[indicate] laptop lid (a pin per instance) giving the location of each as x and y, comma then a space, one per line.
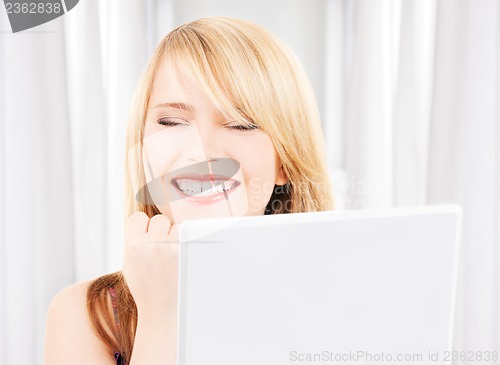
335, 286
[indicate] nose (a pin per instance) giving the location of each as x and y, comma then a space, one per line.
203, 144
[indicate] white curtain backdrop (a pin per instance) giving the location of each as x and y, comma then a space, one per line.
37, 210
417, 121
65, 93
409, 92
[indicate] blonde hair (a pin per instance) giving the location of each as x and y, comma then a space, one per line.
248, 72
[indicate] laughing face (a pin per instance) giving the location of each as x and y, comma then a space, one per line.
198, 162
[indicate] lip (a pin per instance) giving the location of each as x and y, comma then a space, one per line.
206, 177
203, 178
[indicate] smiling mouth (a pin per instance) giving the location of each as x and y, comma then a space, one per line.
204, 186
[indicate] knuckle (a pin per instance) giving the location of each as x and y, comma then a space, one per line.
137, 216
160, 219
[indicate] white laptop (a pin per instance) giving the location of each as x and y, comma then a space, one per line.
370, 286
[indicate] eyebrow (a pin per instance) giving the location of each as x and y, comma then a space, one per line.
176, 105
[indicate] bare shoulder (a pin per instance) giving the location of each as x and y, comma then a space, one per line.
69, 337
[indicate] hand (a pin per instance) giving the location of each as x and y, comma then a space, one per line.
150, 264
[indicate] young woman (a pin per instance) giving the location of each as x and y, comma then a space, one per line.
224, 123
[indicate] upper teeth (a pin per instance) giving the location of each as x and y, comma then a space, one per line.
204, 188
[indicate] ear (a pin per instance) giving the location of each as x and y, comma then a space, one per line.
281, 179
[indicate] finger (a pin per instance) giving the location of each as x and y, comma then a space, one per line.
137, 225
174, 233
158, 228
173, 237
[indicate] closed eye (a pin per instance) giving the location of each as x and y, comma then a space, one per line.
244, 127
170, 122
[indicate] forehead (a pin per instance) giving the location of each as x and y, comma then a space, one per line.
172, 84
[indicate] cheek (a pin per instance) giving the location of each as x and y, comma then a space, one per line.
258, 162
160, 150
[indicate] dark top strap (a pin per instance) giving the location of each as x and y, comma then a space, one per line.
114, 302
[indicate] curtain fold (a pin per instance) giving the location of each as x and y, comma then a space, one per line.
36, 166
89, 134
3, 212
463, 156
104, 62
425, 130
127, 57
3, 246
413, 101
65, 96
368, 111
